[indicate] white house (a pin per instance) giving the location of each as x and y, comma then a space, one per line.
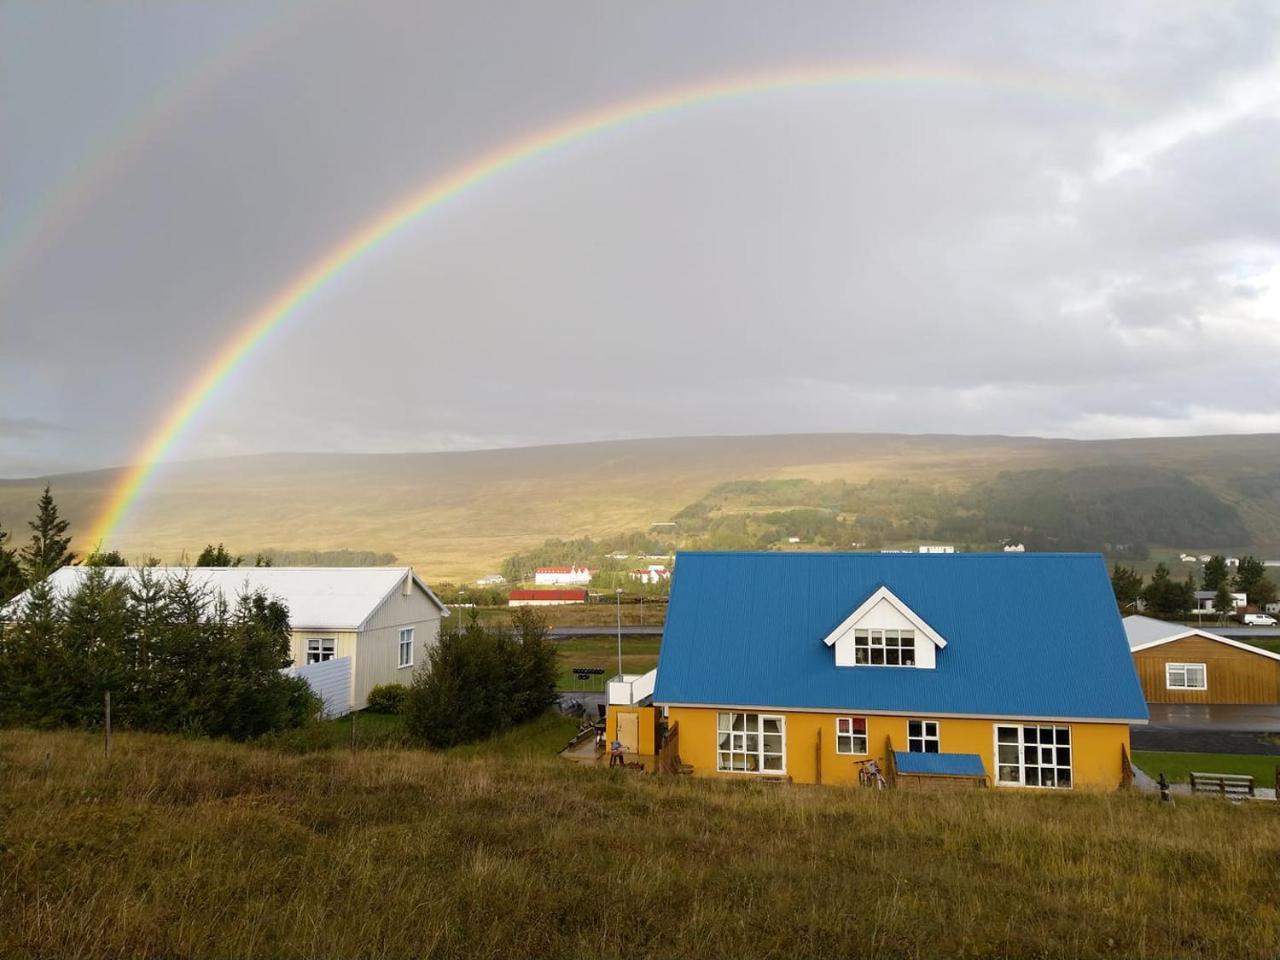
383, 618
1204, 601
937, 548
562, 576
491, 580
654, 573
1015, 548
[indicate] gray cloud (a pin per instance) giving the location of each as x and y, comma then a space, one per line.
1086, 248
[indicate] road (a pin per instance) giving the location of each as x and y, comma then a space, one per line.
568, 633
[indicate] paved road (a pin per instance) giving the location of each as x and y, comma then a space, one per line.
1213, 728
567, 633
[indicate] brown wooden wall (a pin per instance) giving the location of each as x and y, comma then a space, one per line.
1233, 675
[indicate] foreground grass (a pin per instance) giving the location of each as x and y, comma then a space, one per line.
543, 737
182, 848
1176, 766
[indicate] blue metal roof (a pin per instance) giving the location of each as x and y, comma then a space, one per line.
940, 764
1028, 635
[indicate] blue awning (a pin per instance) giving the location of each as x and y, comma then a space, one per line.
940, 764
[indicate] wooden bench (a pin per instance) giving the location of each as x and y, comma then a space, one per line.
1223, 784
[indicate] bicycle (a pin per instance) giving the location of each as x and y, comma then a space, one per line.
869, 775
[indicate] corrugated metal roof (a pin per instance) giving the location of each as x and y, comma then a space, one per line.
1028, 635
332, 598
939, 764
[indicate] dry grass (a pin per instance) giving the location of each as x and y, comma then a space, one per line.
181, 848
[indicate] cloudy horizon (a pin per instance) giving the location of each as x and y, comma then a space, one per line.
1086, 246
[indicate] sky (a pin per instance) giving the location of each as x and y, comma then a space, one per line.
1087, 245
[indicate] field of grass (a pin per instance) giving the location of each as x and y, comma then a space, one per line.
184, 848
603, 615
1176, 766
544, 737
639, 655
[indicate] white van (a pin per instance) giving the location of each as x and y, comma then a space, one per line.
1258, 620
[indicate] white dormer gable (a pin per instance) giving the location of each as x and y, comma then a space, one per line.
882, 621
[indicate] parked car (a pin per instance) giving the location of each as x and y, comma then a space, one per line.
1258, 620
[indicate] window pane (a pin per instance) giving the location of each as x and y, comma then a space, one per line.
1007, 734
844, 744
859, 744
772, 725
772, 743
842, 724
913, 728
772, 763
1008, 774
877, 656
859, 725
1063, 734
1064, 778
1029, 734
891, 658
1064, 756
931, 728
931, 746
860, 655
1033, 776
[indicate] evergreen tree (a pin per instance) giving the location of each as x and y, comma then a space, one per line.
48, 548
218, 556
11, 580
1215, 572
1248, 577
1166, 598
536, 673
1126, 583
110, 558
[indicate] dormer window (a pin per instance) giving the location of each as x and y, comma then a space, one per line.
888, 648
884, 632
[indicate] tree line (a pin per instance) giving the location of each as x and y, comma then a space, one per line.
175, 657
1171, 599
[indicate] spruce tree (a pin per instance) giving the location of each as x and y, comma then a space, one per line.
48, 547
11, 582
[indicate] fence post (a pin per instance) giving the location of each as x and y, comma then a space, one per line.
818, 757
106, 709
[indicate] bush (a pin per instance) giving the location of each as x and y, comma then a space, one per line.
387, 698
478, 681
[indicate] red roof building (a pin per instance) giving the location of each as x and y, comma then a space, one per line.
545, 598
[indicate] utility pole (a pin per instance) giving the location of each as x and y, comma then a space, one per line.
618, 593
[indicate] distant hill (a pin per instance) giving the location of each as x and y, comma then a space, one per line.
458, 515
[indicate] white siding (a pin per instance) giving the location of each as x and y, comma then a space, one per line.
377, 647
330, 681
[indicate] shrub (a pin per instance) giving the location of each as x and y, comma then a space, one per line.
387, 698
477, 681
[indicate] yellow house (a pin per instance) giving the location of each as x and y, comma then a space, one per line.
1010, 669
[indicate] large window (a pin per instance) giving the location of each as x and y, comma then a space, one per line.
1185, 676
885, 648
750, 743
406, 647
922, 736
851, 734
320, 649
1033, 755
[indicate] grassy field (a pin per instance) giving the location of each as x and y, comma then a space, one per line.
184, 848
639, 655
603, 615
455, 516
1176, 766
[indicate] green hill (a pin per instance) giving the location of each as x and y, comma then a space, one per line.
458, 515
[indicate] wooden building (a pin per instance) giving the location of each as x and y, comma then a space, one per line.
1181, 664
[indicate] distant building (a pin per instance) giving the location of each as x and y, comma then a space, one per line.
793, 539
545, 598
1204, 601
1187, 558
1233, 561
1015, 548
556, 576
654, 573
1205, 558
492, 580
937, 548
1178, 664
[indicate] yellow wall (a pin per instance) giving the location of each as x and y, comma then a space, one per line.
1095, 747
648, 725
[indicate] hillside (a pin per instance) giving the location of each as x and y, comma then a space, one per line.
186, 848
458, 515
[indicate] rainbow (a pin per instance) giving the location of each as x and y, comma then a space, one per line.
307, 285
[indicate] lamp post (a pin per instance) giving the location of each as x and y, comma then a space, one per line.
617, 592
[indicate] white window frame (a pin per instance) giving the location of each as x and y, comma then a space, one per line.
739, 743
925, 738
406, 642
851, 736
1184, 669
886, 642
320, 650
1042, 763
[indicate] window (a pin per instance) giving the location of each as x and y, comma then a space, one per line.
1033, 755
851, 734
320, 649
750, 743
406, 647
1185, 676
922, 736
885, 648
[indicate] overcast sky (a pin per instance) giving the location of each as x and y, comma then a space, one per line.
1090, 251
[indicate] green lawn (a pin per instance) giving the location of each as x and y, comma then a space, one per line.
1176, 766
639, 655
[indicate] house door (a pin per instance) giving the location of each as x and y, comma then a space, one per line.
629, 731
